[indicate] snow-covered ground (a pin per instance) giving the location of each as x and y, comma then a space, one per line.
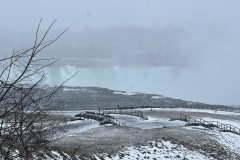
235, 123
189, 110
229, 141
74, 112
157, 97
73, 127
137, 122
71, 113
156, 150
81, 126
160, 122
83, 90
125, 93
164, 149
69, 89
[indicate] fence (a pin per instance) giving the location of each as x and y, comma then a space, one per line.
211, 124
100, 118
125, 111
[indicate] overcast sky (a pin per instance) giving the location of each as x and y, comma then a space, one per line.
201, 38
78, 14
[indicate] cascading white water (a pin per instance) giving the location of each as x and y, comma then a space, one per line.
194, 84
141, 79
185, 83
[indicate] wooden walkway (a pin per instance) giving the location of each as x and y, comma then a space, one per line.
211, 124
126, 112
101, 118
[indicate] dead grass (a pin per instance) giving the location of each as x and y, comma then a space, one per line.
176, 114
112, 139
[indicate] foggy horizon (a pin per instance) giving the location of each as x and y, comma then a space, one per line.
181, 49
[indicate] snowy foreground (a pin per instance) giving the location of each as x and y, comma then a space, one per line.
161, 149
153, 150
156, 150
182, 142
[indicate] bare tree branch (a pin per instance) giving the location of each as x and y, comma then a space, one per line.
24, 104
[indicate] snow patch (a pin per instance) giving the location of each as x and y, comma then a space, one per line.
83, 90
125, 93
190, 103
157, 97
69, 89
189, 110
137, 122
235, 123
81, 126
155, 150
230, 141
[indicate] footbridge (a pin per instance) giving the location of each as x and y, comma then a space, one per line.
131, 112
102, 118
211, 124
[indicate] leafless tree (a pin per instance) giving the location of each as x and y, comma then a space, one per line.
24, 103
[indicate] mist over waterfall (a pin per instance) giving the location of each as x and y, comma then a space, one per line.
184, 50
130, 79
173, 82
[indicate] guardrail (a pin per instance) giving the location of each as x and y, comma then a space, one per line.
126, 112
101, 118
211, 124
